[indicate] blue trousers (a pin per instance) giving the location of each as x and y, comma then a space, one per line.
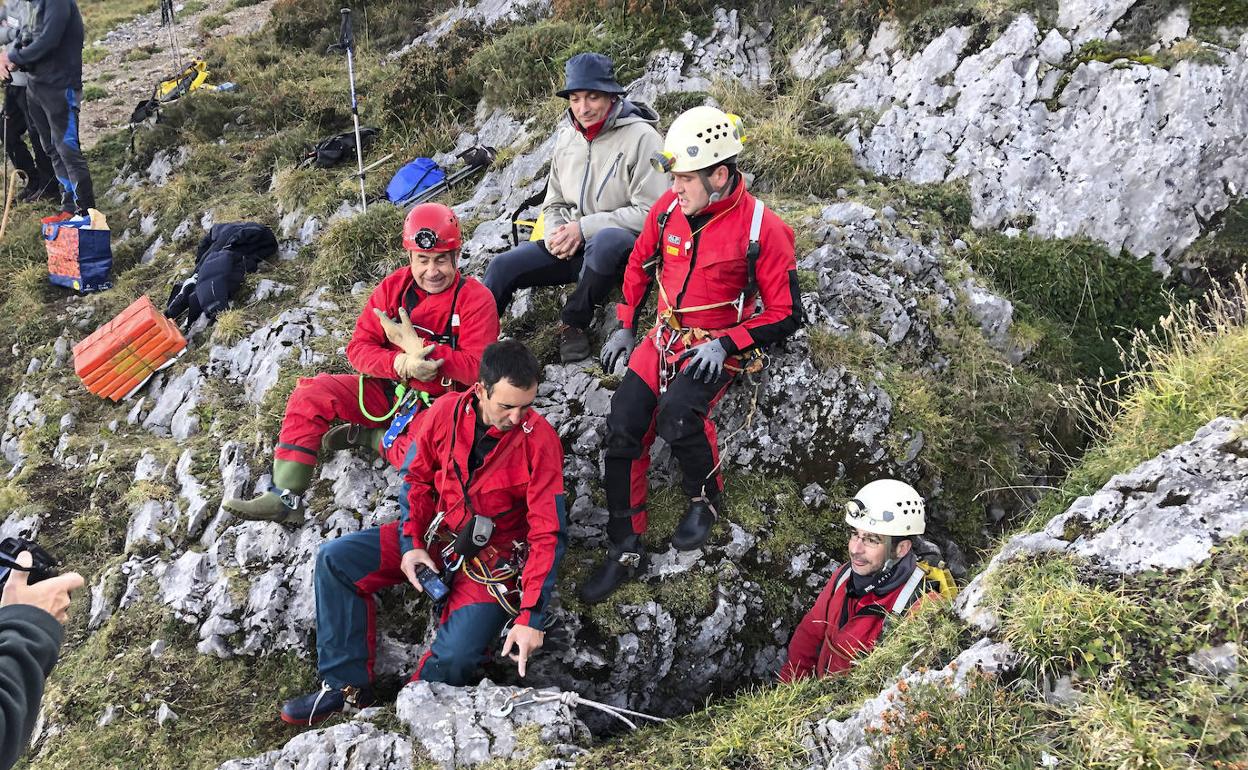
349, 570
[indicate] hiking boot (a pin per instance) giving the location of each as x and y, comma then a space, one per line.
283, 502
623, 562
352, 436
695, 527
573, 344
318, 706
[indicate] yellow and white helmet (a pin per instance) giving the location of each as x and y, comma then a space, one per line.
700, 138
887, 507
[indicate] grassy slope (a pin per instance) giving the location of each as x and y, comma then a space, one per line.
242, 148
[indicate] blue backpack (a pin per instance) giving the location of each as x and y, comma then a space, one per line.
413, 179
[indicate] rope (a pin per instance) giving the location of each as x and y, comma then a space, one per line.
749, 419
399, 390
572, 700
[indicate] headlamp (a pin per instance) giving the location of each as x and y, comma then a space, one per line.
425, 238
663, 162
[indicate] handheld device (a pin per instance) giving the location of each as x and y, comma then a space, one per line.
432, 584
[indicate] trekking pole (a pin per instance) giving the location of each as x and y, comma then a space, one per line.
346, 42
167, 15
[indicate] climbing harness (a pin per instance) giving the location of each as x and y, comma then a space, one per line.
409, 401
466, 548
670, 333
529, 696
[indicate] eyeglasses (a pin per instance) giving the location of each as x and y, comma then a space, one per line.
868, 538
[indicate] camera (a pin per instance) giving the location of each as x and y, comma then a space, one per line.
432, 584
43, 564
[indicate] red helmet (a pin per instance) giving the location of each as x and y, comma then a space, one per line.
431, 227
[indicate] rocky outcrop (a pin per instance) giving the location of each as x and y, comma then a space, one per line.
451, 726
1130, 154
1166, 513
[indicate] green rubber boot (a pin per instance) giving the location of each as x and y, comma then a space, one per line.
283, 502
351, 436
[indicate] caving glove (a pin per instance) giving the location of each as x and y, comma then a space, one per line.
618, 348
401, 332
706, 361
414, 366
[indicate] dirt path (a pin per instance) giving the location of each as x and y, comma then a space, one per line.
140, 53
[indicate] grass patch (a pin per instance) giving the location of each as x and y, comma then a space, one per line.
211, 22
1191, 371
91, 92
1093, 300
203, 691
101, 16
363, 248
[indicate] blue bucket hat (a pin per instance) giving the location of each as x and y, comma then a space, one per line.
589, 72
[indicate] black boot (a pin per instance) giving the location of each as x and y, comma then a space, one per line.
695, 527
623, 562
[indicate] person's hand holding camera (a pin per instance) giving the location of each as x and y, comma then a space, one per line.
51, 595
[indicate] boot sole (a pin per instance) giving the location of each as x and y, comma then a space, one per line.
304, 722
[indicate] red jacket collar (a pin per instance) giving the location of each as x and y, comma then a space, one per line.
590, 132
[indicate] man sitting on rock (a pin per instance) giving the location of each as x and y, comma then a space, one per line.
881, 581
599, 191
713, 251
484, 513
444, 322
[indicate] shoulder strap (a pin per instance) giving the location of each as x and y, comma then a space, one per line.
752, 251
906, 595
532, 200
655, 265
452, 323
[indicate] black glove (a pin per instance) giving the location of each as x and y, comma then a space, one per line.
618, 348
706, 361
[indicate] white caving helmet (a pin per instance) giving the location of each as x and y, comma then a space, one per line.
887, 507
700, 138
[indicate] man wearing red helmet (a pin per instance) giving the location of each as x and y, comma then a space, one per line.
421, 334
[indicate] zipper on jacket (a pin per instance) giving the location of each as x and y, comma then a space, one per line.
607, 178
589, 153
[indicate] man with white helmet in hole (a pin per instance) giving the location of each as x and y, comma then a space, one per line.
881, 579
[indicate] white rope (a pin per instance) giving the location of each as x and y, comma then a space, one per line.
572, 700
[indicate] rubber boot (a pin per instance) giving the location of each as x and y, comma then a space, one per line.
695, 527
352, 436
573, 344
623, 562
283, 502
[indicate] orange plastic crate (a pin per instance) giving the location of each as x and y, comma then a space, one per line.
117, 358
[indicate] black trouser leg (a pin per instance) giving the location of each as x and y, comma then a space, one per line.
43, 164
606, 253
684, 424
529, 264
55, 113
14, 127
630, 432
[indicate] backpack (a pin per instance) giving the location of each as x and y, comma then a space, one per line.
333, 150
412, 179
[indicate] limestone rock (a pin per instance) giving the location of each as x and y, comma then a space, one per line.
1165, 514
1132, 155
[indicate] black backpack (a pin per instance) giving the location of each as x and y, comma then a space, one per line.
335, 149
